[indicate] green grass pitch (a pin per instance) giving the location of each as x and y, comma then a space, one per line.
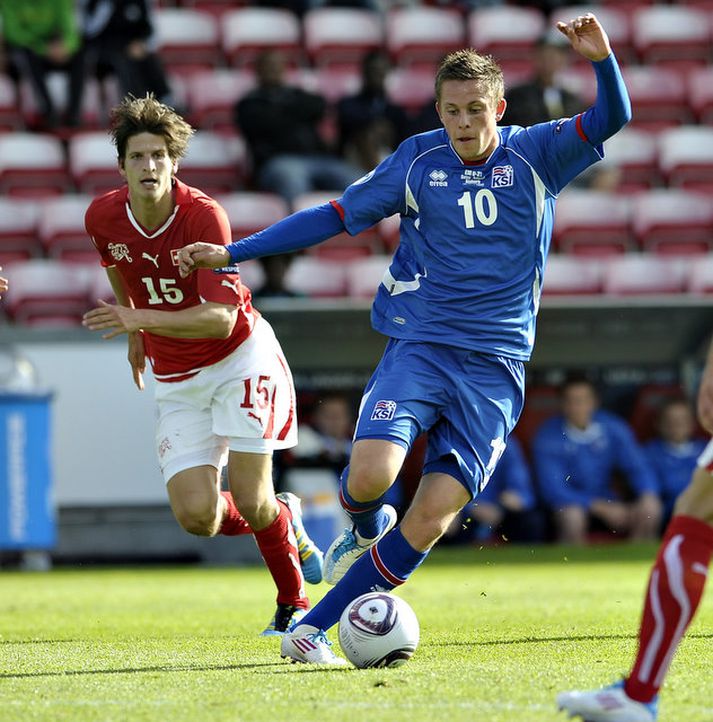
502, 630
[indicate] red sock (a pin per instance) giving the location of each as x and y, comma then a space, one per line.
278, 547
233, 523
675, 588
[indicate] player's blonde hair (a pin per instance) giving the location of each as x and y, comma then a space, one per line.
148, 115
468, 64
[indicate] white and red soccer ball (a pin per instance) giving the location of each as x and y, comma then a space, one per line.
378, 629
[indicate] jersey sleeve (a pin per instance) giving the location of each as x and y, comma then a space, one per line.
379, 194
99, 242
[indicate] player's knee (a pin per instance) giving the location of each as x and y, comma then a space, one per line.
367, 482
422, 528
198, 519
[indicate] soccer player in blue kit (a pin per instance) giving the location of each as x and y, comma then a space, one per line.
458, 304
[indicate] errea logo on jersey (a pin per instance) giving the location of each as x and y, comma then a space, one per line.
438, 178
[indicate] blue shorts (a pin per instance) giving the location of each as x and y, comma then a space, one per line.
467, 401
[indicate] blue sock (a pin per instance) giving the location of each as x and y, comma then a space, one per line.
385, 566
368, 516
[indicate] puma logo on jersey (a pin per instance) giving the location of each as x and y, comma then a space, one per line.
153, 259
256, 417
119, 251
231, 284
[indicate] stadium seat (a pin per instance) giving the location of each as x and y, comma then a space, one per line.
47, 292
61, 228
246, 32
700, 93
250, 212
389, 230
541, 402
212, 95
672, 35
341, 36
342, 247
643, 274
317, 277
634, 152
10, 118
99, 287
592, 223
18, 229
658, 97
214, 163
187, 39
93, 162
421, 35
410, 87
32, 164
333, 83
686, 157
571, 275
649, 400
365, 274
673, 221
700, 279
506, 32
251, 274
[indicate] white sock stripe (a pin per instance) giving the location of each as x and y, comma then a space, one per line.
655, 641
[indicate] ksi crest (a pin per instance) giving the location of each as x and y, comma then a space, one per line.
502, 176
383, 411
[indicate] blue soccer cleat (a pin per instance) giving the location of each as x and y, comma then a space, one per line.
309, 645
310, 554
347, 548
285, 618
609, 704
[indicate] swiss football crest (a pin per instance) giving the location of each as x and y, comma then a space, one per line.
174, 257
383, 411
119, 251
502, 176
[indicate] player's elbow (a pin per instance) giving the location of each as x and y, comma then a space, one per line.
223, 323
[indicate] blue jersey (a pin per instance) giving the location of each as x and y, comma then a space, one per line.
673, 465
474, 237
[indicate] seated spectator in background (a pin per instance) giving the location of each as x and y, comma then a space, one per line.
280, 123
543, 97
42, 36
275, 269
370, 125
508, 504
673, 454
117, 35
576, 455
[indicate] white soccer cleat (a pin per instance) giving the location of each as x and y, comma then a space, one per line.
609, 704
346, 549
309, 645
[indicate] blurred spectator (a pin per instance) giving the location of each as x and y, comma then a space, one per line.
576, 455
508, 504
275, 269
370, 126
542, 97
673, 453
117, 36
42, 36
281, 126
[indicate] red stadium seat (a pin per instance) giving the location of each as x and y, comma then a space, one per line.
507, 33
541, 403
389, 230
214, 163
251, 274
423, 35
61, 228
672, 35
365, 274
571, 275
642, 274
673, 222
93, 162
250, 212
246, 32
592, 223
700, 93
99, 286
187, 39
317, 277
333, 83
410, 87
649, 400
341, 36
658, 97
700, 279
47, 292
342, 247
18, 229
212, 95
32, 164
686, 157
635, 154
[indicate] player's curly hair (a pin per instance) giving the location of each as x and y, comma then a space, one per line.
148, 115
468, 64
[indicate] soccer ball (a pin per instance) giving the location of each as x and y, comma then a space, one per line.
378, 630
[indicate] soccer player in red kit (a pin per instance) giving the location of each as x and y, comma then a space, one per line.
224, 390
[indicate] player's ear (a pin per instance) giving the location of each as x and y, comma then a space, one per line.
120, 164
500, 109
174, 167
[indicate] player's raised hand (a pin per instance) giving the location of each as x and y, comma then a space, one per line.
201, 255
118, 319
587, 37
3, 283
137, 358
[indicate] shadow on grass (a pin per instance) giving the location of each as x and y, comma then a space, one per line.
540, 640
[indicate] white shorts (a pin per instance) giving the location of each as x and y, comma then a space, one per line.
705, 460
246, 402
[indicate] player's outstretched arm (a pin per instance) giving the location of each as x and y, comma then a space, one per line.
586, 35
3, 283
705, 395
202, 255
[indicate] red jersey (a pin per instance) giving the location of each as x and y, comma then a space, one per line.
147, 264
